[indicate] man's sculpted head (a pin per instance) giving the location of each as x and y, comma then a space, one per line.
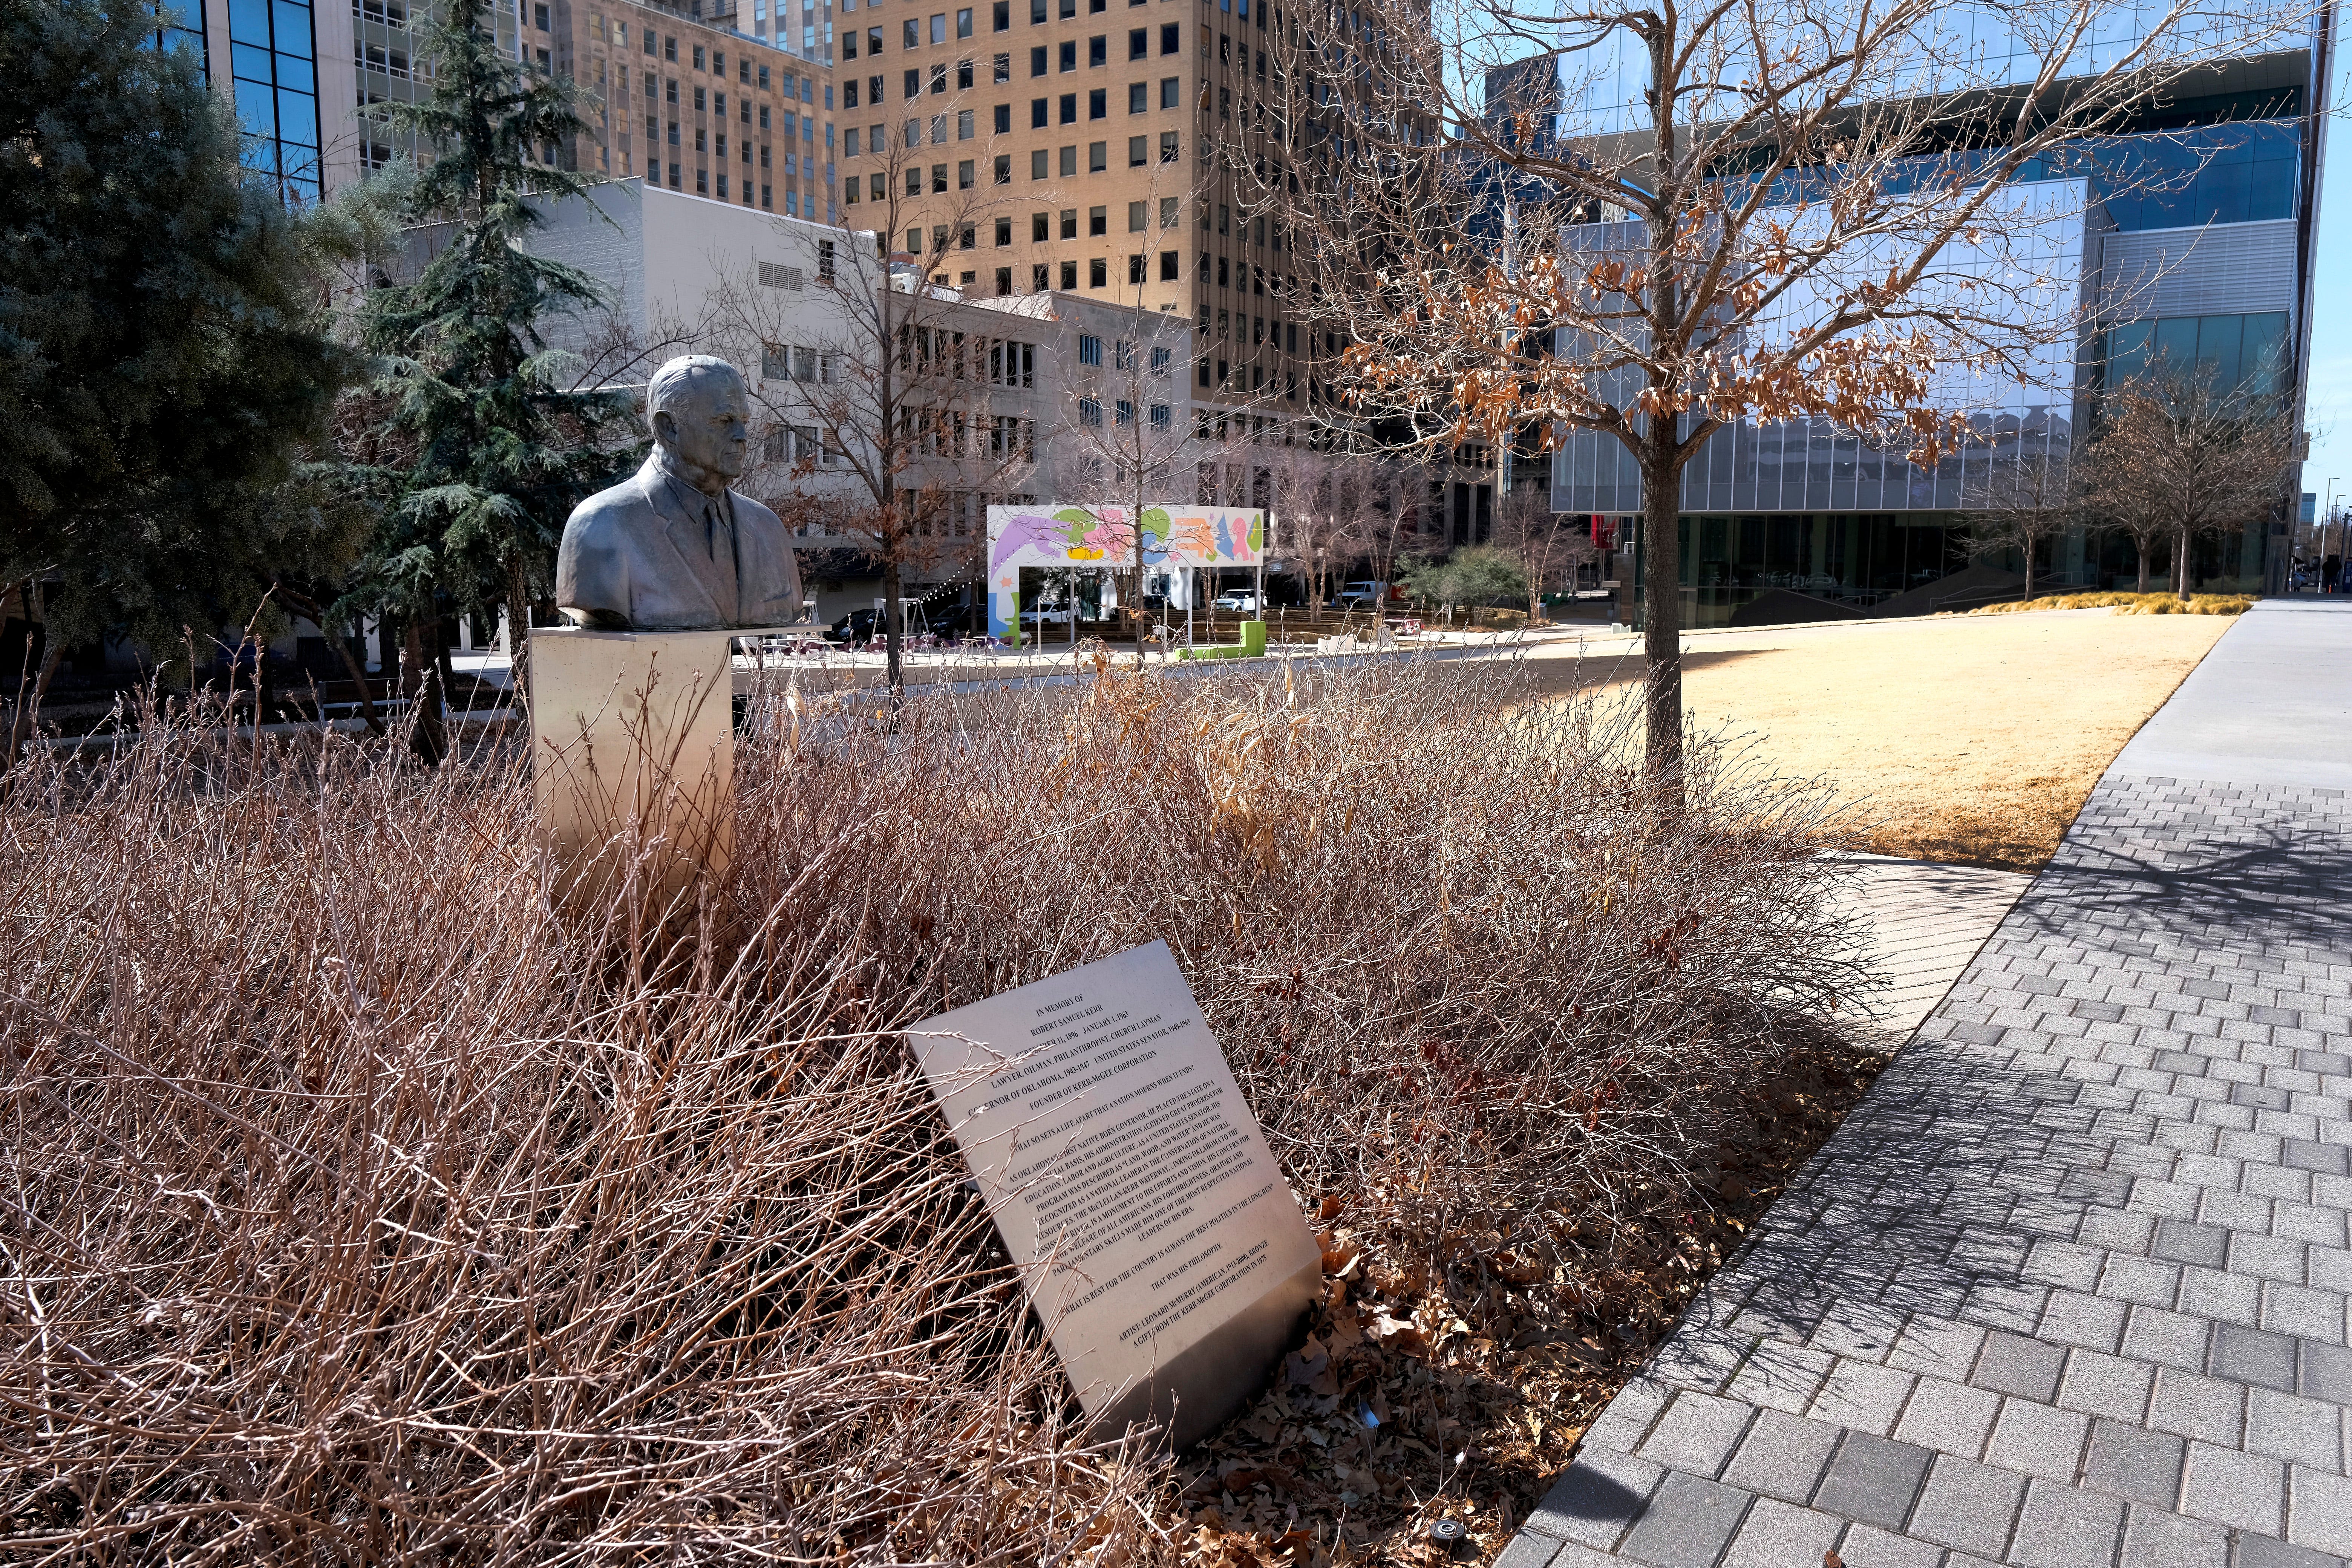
701, 416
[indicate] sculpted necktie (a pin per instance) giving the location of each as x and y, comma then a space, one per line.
719, 530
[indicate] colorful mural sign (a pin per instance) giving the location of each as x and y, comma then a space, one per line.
1059, 538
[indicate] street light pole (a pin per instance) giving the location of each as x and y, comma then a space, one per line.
2327, 515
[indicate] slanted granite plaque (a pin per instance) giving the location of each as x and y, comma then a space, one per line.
1158, 1241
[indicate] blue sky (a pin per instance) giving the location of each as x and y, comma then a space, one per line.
2328, 413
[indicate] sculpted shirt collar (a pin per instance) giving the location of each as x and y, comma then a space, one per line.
688, 498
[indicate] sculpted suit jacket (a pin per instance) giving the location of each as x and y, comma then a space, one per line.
641, 549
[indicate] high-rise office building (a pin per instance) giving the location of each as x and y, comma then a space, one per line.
1095, 136
280, 63
691, 102
678, 94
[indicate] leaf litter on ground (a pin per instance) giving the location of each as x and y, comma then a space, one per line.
1460, 1390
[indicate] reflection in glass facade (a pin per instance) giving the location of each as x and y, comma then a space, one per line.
271, 52
2240, 171
183, 29
2190, 243
1855, 560
2243, 172
1804, 506
1812, 465
1968, 46
2246, 353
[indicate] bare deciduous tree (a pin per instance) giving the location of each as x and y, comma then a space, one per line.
1125, 442
2178, 457
1737, 212
897, 408
2029, 499
1319, 498
1549, 546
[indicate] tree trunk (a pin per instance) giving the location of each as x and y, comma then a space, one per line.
519, 637
2182, 565
52, 654
342, 645
417, 678
1662, 607
1134, 602
895, 672
2027, 597
446, 665
2140, 548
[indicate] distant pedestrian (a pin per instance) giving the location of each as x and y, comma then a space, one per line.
2329, 570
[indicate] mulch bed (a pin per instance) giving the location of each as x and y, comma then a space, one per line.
1460, 1393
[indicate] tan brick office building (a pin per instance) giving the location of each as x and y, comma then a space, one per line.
698, 106
730, 115
1089, 135
1098, 130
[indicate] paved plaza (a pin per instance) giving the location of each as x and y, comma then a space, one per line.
2069, 1286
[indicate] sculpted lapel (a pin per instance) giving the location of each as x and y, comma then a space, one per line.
679, 507
767, 561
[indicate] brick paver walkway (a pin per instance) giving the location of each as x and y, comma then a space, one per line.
2069, 1288
1924, 923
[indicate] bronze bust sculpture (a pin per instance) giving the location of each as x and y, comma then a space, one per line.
672, 548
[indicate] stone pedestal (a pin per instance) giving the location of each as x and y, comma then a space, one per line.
633, 756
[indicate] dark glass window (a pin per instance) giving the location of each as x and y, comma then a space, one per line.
2244, 353
2243, 172
275, 91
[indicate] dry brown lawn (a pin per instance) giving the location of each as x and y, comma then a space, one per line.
1971, 738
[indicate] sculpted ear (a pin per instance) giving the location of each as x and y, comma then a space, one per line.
666, 429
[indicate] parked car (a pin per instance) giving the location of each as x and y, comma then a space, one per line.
857, 626
1364, 596
1240, 600
1046, 615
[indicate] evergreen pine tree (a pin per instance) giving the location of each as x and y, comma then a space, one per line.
165, 357
499, 447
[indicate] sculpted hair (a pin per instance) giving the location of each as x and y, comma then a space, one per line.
677, 380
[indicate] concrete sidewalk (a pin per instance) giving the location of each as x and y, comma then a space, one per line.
2069, 1286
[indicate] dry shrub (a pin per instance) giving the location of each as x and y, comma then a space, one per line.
2154, 603
1459, 968
359, 1210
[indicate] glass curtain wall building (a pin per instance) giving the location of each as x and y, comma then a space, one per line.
278, 62
760, 125
2190, 240
273, 49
